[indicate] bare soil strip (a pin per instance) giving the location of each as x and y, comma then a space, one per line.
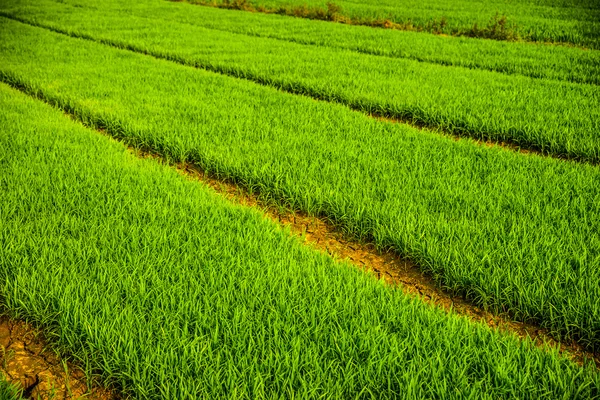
28, 364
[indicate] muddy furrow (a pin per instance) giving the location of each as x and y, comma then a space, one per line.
30, 365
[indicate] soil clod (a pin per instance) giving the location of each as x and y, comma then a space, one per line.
28, 364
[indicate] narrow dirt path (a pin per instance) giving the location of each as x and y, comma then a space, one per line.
28, 364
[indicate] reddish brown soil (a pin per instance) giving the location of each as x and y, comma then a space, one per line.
29, 365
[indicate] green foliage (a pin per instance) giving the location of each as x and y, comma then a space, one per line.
169, 291
512, 232
556, 118
329, 12
573, 23
498, 28
539, 61
8, 391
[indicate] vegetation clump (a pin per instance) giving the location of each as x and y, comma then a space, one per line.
498, 27
515, 22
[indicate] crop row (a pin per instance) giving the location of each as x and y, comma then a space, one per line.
556, 117
513, 232
170, 292
540, 61
574, 23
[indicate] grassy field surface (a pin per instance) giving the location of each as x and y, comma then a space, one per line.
576, 22
535, 60
556, 117
513, 232
168, 291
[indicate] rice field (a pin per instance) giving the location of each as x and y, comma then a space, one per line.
570, 22
158, 287
555, 117
564, 63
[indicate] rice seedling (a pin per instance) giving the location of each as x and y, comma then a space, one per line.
8, 391
514, 233
166, 290
573, 23
553, 117
538, 61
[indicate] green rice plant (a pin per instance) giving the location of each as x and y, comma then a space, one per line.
540, 61
514, 233
497, 28
556, 118
575, 23
8, 391
166, 290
